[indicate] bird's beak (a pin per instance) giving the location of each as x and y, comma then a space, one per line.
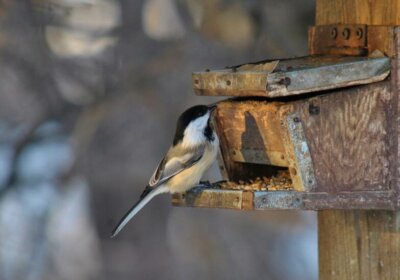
212, 107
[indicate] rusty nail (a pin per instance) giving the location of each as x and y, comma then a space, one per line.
313, 110
346, 33
228, 83
334, 33
359, 33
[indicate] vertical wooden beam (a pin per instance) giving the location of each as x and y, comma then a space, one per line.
371, 12
362, 245
359, 245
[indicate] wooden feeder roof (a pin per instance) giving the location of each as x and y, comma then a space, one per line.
279, 78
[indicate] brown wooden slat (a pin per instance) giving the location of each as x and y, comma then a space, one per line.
251, 132
349, 138
359, 245
264, 200
394, 134
292, 76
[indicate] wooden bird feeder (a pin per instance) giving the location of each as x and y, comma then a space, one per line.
319, 132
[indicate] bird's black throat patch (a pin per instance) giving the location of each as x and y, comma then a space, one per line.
208, 132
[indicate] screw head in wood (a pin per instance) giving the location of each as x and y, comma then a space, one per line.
313, 109
359, 33
334, 33
346, 33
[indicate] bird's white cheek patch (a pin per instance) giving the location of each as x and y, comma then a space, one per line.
194, 132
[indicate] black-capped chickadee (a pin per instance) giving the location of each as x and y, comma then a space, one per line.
194, 149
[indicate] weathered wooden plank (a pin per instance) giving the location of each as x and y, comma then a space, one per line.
292, 77
371, 12
394, 134
297, 152
318, 201
334, 77
347, 134
249, 83
283, 200
356, 245
215, 198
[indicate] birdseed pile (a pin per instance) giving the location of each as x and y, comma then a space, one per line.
280, 182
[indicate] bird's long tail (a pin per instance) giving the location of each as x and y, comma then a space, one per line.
145, 198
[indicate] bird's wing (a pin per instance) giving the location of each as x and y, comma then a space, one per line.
155, 178
175, 162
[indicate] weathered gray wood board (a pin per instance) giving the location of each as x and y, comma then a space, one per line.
349, 138
263, 200
291, 76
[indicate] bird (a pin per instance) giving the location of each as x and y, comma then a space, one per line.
194, 148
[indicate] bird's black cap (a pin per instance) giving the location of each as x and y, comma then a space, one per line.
189, 115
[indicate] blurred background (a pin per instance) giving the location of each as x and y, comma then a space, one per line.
89, 95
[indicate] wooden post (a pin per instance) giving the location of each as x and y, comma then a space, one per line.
362, 245
359, 245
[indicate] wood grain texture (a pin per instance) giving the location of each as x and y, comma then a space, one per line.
359, 245
292, 76
395, 87
347, 134
251, 126
279, 200
381, 37
239, 126
371, 12
215, 198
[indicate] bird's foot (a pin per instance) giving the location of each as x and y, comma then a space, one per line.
204, 184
